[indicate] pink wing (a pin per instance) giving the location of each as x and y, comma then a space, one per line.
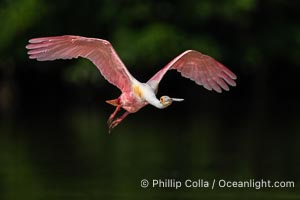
100, 52
202, 69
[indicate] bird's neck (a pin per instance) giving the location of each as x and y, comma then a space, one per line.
147, 93
155, 102
151, 99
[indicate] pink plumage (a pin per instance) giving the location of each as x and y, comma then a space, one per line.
202, 69
100, 52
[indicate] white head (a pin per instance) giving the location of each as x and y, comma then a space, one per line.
167, 101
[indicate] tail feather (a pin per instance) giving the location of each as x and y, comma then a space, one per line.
114, 102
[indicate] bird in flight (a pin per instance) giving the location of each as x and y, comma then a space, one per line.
202, 69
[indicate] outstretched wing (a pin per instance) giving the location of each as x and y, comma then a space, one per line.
202, 69
100, 52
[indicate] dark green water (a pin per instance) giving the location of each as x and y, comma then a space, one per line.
70, 155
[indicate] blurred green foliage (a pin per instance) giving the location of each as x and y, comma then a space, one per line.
147, 34
150, 31
15, 18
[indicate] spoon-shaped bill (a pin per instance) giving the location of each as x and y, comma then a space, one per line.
177, 99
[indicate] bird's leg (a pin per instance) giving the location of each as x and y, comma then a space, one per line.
117, 121
112, 116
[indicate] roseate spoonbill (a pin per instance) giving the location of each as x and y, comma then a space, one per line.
202, 69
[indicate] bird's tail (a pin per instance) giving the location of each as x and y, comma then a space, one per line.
114, 102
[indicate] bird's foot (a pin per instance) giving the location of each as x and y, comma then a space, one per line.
110, 120
112, 116
113, 124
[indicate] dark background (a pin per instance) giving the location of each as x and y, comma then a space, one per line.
54, 139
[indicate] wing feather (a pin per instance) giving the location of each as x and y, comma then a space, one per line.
100, 52
202, 69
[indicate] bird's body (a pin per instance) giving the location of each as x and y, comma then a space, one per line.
194, 65
136, 98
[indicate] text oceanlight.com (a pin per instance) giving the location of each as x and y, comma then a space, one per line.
221, 183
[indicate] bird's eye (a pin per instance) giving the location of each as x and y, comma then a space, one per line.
161, 99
